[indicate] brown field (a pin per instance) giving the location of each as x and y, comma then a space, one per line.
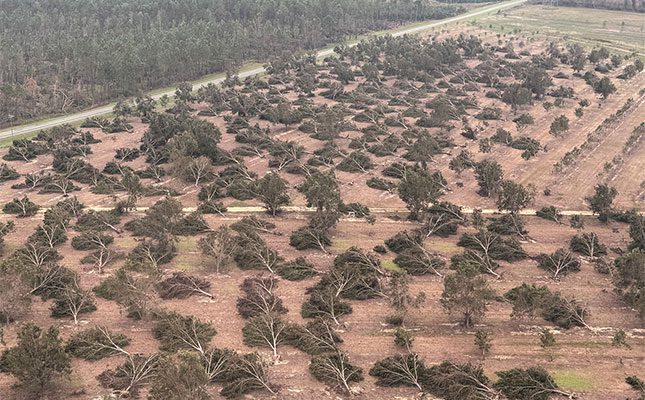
588, 356
583, 361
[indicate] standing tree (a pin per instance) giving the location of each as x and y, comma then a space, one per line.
271, 189
636, 232
399, 294
219, 246
5, 228
513, 197
620, 339
403, 338
322, 192
537, 81
559, 125
483, 342
601, 201
193, 170
630, 280
577, 57
419, 189
604, 87
489, 174
37, 358
466, 292
547, 338
15, 299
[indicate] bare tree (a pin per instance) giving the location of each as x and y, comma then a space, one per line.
101, 258
220, 247
199, 169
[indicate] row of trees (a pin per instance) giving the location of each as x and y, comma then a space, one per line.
598, 4
40, 357
190, 146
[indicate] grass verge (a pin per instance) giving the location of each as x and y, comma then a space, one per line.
575, 381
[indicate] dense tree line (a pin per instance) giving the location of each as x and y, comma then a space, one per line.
61, 55
619, 5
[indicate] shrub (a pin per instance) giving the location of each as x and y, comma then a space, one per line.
381, 184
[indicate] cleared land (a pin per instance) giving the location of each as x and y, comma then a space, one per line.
618, 31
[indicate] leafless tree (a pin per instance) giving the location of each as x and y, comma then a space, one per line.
219, 246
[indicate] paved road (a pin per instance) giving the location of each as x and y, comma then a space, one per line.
81, 116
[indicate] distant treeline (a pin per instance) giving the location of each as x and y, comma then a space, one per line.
618, 5
58, 55
465, 1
